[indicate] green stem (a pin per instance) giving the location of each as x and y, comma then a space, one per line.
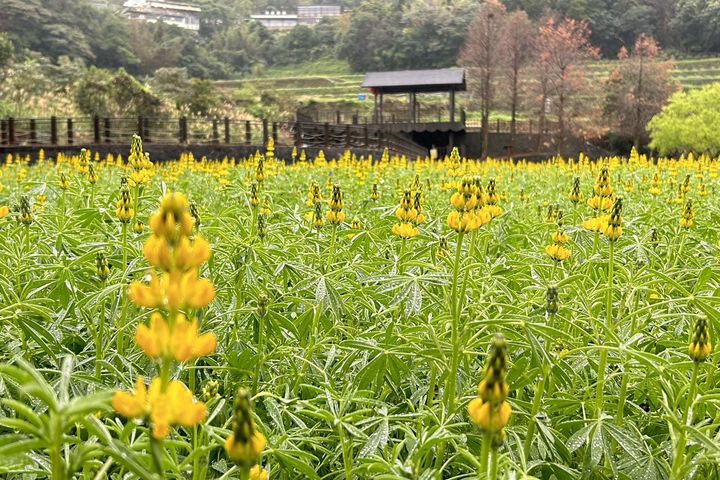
155, 449
493, 464
347, 452
455, 330
537, 403
485, 455
679, 460
331, 251
261, 352
622, 399
124, 247
602, 365
610, 285
679, 252
58, 469
99, 351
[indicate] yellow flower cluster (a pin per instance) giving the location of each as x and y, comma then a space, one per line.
336, 215
165, 405
246, 444
26, 216
407, 214
700, 346
172, 338
314, 195
473, 207
101, 266
490, 411
688, 217
656, 185
169, 248
64, 182
603, 192
140, 162
613, 230
558, 250
125, 211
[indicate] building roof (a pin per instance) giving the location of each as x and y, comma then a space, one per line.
404, 81
274, 16
140, 4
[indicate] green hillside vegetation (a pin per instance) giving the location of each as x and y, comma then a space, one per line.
330, 80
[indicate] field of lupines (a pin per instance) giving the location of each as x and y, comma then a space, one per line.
350, 319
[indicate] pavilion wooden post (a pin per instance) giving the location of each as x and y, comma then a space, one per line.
375, 108
298, 134
11, 131
452, 104
53, 130
33, 131
215, 132
70, 135
381, 109
96, 129
412, 107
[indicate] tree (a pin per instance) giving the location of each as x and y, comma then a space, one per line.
199, 98
688, 123
482, 55
563, 45
7, 50
697, 25
370, 39
517, 42
101, 93
638, 88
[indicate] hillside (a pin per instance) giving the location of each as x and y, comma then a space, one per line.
331, 81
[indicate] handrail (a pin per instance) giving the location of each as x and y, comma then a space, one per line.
96, 130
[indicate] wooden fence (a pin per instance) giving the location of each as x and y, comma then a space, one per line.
97, 130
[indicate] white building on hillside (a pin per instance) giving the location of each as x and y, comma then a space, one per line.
306, 15
312, 14
173, 13
276, 19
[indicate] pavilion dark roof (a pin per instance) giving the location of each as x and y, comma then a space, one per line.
406, 81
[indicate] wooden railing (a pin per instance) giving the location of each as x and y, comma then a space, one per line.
428, 115
528, 127
97, 130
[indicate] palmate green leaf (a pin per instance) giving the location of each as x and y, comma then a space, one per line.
12, 445
297, 462
20, 426
378, 440
88, 405
579, 438
30, 382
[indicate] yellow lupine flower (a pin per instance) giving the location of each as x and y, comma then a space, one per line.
487, 417
243, 452
405, 230
182, 342
258, 473
700, 346
175, 290
173, 406
186, 344
557, 252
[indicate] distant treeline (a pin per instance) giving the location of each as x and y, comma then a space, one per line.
376, 35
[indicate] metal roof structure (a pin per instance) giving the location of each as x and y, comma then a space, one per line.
408, 81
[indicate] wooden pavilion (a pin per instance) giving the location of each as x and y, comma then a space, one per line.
412, 82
